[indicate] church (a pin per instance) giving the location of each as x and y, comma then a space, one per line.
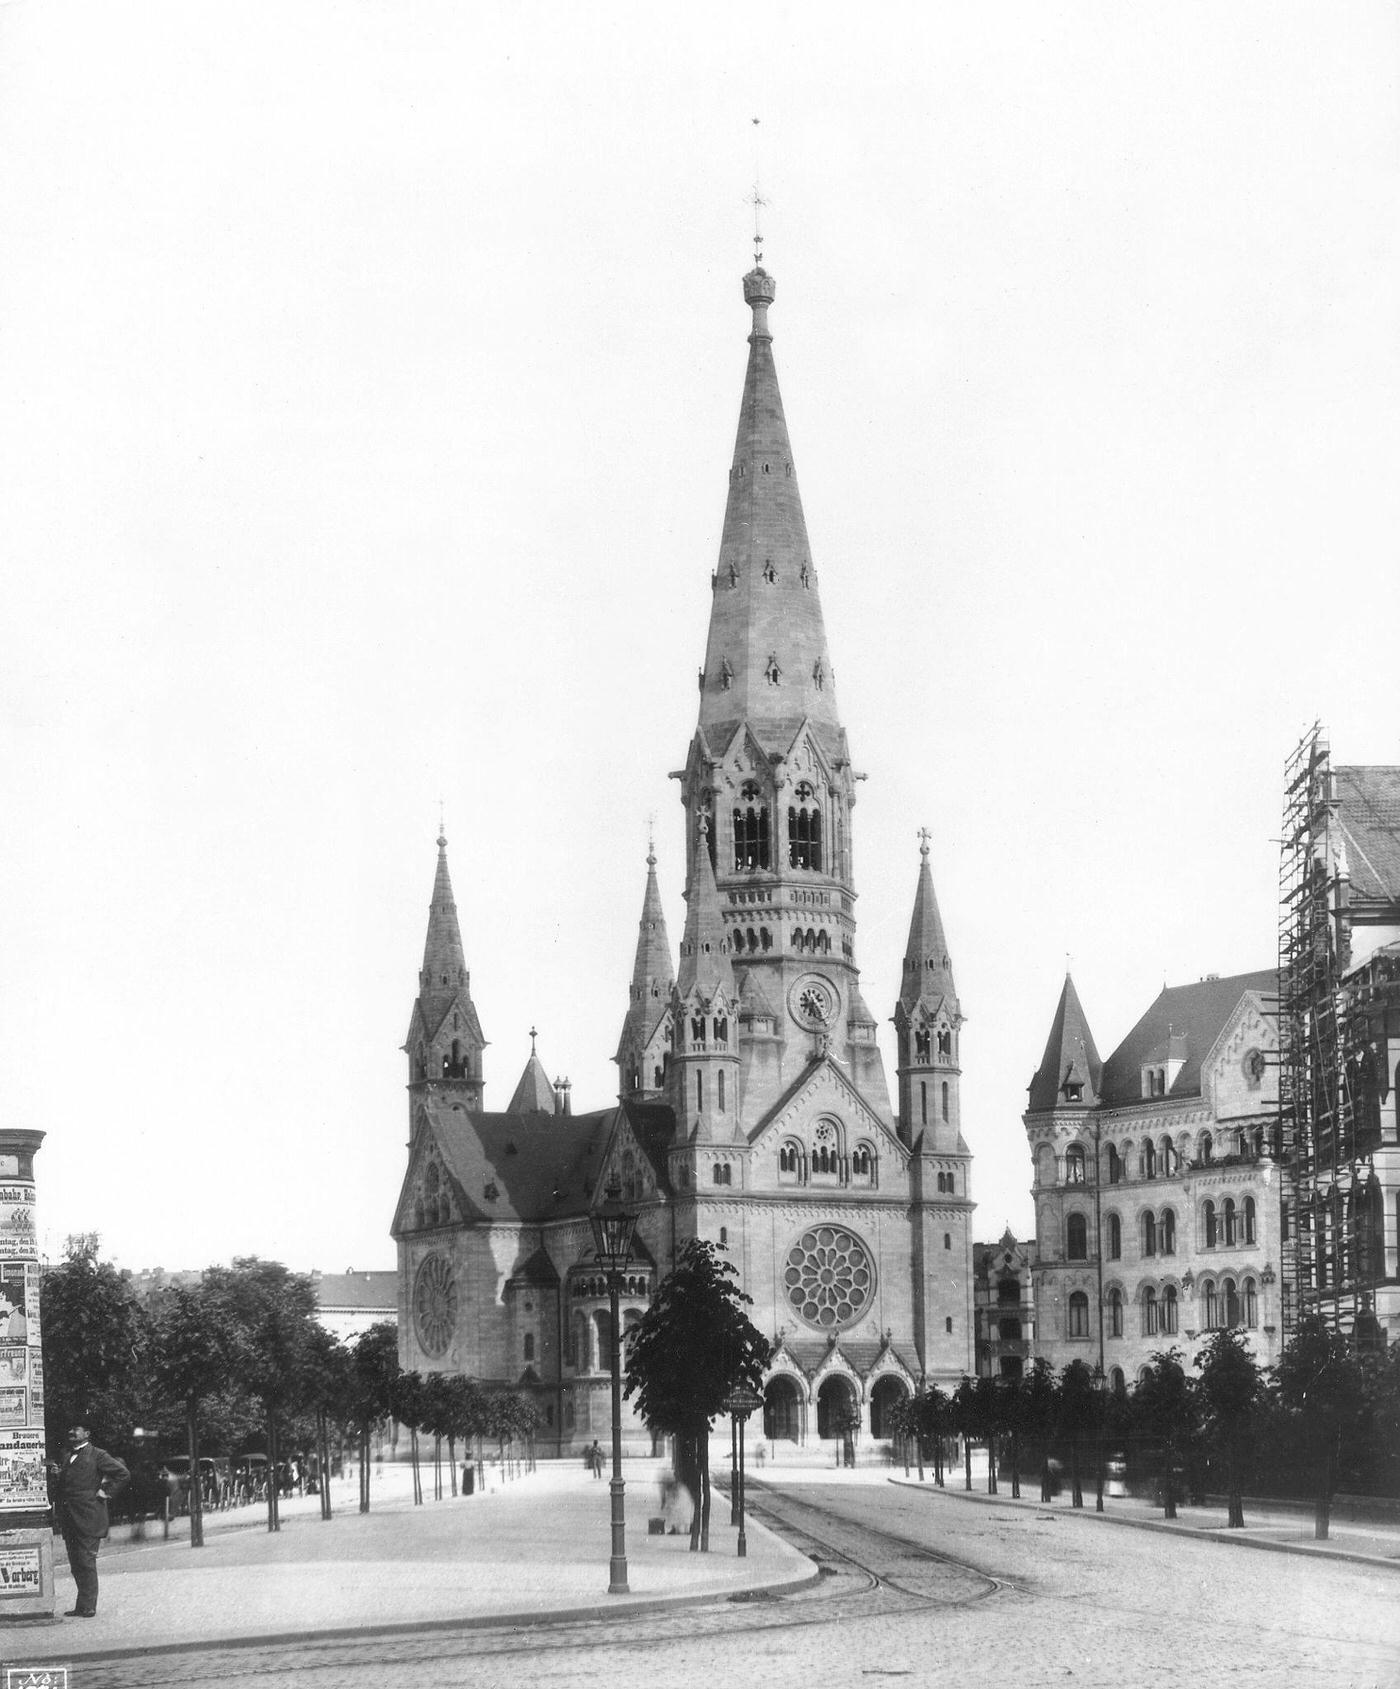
753, 1105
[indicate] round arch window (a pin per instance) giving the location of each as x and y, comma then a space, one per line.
435, 1304
829, 1277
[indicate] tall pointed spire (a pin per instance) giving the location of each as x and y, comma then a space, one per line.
928, 971
445, 1040
444, 970
705, 963
1070, 1069
640, 1048
766, 661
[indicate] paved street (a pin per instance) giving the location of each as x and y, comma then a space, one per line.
933, 1587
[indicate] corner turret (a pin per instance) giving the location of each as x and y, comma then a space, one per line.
445, 1042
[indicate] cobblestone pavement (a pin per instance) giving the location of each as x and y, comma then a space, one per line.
919, 1585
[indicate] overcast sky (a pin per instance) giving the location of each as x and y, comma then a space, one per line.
368, 383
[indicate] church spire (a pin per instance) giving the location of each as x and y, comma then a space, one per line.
928, 1018
445, 1040
705, 965
766, 661
641, 1048
928, 972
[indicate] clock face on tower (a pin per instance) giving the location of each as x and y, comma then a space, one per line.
813, 1002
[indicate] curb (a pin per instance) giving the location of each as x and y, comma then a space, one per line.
804, 1577
1224, 1536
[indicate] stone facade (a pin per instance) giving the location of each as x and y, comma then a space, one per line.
753, 1107
1157, 1196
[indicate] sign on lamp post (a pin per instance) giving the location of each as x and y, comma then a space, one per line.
739, 1404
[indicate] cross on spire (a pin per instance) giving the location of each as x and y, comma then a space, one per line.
924, 837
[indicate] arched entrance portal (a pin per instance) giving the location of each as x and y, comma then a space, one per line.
836, 1407
887, 1393
782, 1411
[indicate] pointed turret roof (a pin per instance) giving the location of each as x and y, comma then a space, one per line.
705, 963
444, 972
652, 973
928, 971
766, 660
534, 1094
1070, 1057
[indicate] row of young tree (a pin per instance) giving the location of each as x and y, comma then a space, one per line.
1321, 1417
239, 1362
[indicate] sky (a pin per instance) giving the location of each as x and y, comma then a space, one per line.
368, 383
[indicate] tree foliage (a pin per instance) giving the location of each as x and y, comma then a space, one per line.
692, 1346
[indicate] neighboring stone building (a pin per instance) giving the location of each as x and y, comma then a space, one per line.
1157, 1196
349, 1303
1003, 1299
754, 1109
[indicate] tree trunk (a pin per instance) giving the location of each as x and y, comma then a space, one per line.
1015, 1466
1235, 1521
196, 1487
417, 1472
1045, 1476
274, 1522
992, 1463
705, 1490
692, 1463
364, 1468
1078, 1496
1322, 1514
967, 1463
919, 1451
437, 1466
323, 1462
452, 1461
1169, 1485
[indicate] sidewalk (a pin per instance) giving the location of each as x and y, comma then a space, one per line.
535, 1548
1278, 1527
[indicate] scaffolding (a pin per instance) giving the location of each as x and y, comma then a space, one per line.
1331, 1240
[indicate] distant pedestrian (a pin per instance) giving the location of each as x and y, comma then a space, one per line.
84, 1483
595, 1459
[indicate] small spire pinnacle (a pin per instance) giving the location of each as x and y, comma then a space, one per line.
924, 837
442, 825
533, 1036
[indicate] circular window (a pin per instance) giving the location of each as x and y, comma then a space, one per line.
829, 1276
435, 1304
813, 1001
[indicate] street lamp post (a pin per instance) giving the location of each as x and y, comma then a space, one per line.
739, 1404
613, 1227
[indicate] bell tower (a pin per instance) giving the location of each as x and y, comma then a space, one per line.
768, 786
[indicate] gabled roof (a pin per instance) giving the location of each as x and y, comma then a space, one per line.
1070, 1057
1369, 815
1188, 1019
541, 1166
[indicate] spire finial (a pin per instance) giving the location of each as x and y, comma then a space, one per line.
924, 837
756, 198
532, 1043
442, 825
651, 840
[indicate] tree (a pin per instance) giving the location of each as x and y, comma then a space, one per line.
192, 1356
1165, 1406
1319, 1381
374, 1368
96, 1338
934, 1415
1040, 1407
273, 1313
327, 1385
1230, 1394
691, 1347
406, 1404
1011, 1417
1079, 1412
966, 1416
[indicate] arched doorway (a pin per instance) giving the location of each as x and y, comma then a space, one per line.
887, 1393
836, 1407
782, 1411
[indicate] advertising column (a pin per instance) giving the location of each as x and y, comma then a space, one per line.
26, 1521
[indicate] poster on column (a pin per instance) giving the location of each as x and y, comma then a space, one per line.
22, 1480
31, 1301
15, 1285
18, 1238
36, 1384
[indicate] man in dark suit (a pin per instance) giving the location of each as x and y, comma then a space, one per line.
83, 1484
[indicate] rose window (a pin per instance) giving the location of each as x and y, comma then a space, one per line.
830, 1277
435, 1304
